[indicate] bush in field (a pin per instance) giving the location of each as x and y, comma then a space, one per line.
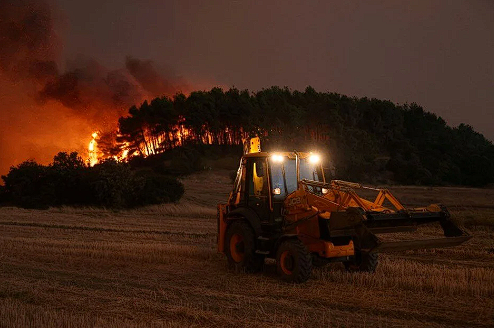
68, 174
68, 181
28, 185
111, 182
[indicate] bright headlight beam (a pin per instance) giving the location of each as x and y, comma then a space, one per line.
314, 158
277, 158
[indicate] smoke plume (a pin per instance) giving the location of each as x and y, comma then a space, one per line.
28, 42
44, 110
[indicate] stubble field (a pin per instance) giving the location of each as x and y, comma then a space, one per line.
158, 267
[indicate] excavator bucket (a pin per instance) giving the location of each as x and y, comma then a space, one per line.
367, 225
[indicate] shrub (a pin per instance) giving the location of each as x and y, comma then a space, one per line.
28, 185
68, 174
68, 181
111, 182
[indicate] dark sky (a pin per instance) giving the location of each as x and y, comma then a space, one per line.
436, 53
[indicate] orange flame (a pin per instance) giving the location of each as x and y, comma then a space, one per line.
154, 144
93, 150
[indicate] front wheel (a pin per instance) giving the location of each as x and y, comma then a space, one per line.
240, 248
362, 262
293, 261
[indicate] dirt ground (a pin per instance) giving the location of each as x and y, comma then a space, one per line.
158, 267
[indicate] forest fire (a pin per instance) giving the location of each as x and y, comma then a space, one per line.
55, 109
93, 150
148, 141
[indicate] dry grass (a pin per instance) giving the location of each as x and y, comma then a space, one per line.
158, 267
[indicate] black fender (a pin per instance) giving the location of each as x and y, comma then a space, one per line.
247, 214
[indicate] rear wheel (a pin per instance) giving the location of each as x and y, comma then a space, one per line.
293, 261
362, 262
240, 248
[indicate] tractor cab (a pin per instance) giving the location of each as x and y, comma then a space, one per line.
284, 177
264, 180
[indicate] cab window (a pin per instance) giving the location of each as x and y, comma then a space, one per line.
258, 184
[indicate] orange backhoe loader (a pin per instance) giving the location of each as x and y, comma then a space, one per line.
281, 207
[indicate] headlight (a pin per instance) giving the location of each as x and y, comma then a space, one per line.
277, 158
314, 158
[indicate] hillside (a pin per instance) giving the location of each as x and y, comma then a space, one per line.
364, 139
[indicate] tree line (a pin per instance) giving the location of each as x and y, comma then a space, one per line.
361, 139
364, 139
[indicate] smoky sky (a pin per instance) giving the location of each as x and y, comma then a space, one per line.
50, 102
438, 54
69, 68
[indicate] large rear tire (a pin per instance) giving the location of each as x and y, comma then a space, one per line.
362, 262
293, 261
240, 248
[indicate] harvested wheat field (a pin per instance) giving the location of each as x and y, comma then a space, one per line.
158, 267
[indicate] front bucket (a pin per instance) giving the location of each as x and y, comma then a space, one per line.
419, 244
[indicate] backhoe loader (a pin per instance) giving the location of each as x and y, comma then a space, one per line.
282, 207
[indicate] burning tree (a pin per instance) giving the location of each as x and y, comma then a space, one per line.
166, 123
366, 138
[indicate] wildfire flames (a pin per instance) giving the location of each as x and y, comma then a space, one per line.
95, 155
93, 150
151, 144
